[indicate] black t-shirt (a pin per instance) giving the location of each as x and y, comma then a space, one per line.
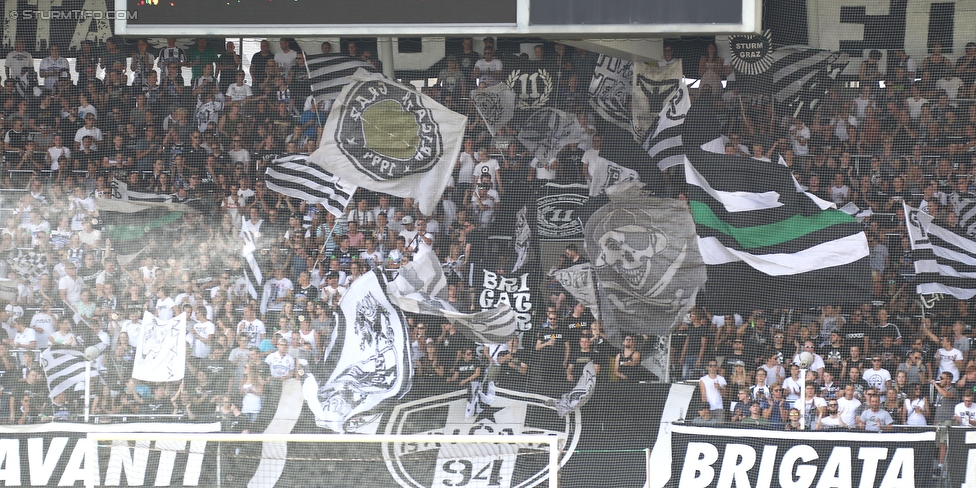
579, 359
854, 333
552, 356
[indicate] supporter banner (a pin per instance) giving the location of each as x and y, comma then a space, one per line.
293, 177
798, 78
27, 264
514, 291
557, 211
367, 362
8, 290
961, 456
390, 138
581, 393
58, 455
161, 350
752, 54
522, 238
65, 23
646, 261
713, 457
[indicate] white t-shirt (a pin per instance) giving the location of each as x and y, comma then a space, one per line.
847, 409
43, 324
238, 93
466, 165
966, 414
878, 378
281, 365
947, 362
73, 288
712, 394
254, 330
205, 329
164, 308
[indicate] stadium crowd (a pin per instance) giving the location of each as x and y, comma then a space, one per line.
207, 141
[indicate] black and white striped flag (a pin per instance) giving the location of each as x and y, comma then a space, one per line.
292, 176
121, 191
329, 73
661, 103
64, 368
798, 78
945, 258
255, 275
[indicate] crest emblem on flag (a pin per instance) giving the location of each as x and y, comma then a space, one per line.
752, 54
387, 132
533, 90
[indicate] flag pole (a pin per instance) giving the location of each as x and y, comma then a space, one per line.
315, 103
87, 388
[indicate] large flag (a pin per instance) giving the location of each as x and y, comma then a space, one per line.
161, 349
646, 261
64, 369
495, 104
133, 225
547, 131
391, 138
330, 73
368, 359
766, 241
798, 78
420, 287
292, 176
945, 257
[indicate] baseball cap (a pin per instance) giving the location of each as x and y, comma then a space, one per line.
407, 220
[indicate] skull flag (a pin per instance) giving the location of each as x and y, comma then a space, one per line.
646, 261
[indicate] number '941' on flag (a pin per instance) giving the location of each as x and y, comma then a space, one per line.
391, 138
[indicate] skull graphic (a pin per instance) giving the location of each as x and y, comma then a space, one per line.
629, 250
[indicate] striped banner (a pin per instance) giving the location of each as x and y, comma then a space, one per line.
64, 368
292, 176
756, 227
945, 258
329, 73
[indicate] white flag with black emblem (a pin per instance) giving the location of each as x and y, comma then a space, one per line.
578, 281
495, 104
161, 350
391, 138
547, 131
661, 103
368, 358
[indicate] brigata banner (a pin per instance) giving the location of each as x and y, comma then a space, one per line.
961, 456
711, 457
57, 454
